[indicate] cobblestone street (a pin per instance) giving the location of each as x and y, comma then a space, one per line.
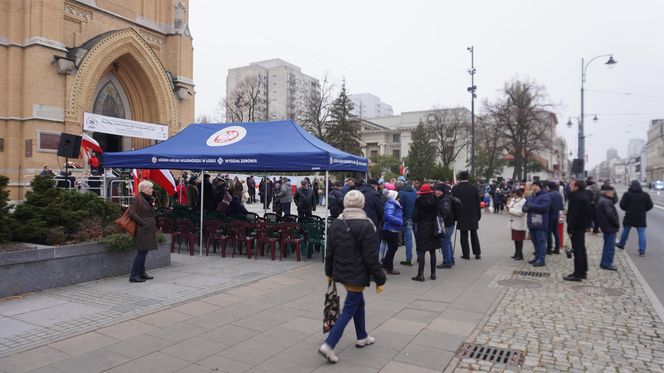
604, 324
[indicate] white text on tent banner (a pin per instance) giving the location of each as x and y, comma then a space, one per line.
124, 127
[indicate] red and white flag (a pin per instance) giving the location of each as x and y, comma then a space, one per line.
88, 143
165, 180
134, 175
402, 169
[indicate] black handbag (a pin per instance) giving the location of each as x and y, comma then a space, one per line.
332, 307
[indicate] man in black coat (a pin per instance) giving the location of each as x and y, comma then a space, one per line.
470, 199
304, 200
635, 203
609, 223
374, 205
578, 221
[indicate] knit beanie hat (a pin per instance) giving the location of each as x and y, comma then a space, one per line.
392, 194
354, 199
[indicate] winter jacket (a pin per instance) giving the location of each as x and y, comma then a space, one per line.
141, 212
335, 202
450, 208
578, 211
373, 204
236, 208
635, 202
393, 216
518, 218
351, 256
193, 199
285, 193
470, 198
304, 199
537, 206
426, 211
556, 205
407, 197
607, 215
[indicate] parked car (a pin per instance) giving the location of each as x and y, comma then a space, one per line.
658, 185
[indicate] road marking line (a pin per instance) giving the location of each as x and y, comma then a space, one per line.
657, 305
659, 207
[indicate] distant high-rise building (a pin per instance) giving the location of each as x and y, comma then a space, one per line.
611, 154
635, 147
367, 105
279, 88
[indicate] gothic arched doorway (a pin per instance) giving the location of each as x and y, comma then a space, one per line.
111, 100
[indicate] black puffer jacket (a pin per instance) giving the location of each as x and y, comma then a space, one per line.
351, 257
607, 215
426, 210
635, 203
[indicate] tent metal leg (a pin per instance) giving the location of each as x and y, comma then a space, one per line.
201, 222
327, 188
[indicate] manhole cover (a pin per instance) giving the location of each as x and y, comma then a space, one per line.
490, 354
516, 283
598, 290
532, 273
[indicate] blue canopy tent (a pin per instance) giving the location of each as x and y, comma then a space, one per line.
240, 147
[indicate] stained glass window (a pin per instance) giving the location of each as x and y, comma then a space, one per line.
109, 102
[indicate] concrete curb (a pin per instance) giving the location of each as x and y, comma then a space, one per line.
657, 305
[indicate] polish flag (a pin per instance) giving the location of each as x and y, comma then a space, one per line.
87, 142
165, 180
402, 169
134, 175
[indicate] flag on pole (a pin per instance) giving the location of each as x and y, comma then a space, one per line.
88, 143
402, 169
165, 180
134, 175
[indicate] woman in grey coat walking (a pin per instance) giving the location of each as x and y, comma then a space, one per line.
145, 237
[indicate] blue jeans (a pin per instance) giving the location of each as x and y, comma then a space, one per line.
353, 309
138, 267
408, 237
539, 241
642, 237
446, 245
609, 249
285, 208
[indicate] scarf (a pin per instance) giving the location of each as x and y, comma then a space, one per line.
351, 213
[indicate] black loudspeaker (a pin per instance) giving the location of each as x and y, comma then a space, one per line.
577, 166
70, 145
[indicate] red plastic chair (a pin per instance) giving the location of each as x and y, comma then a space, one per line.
264, 236
289, 233
215, 230
240, 233
186, 230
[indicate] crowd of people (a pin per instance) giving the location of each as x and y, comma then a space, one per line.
374, 217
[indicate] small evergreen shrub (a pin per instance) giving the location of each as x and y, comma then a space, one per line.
119, 242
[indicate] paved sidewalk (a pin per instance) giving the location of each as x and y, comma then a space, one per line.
274, 324
604, 324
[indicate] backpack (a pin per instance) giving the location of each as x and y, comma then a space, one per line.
458, 208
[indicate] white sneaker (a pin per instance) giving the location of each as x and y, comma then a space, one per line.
328, 353
364, 342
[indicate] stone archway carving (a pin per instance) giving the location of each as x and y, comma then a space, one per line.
101, 56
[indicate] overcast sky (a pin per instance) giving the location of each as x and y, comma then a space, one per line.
412, 54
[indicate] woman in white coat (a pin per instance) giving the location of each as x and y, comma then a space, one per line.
518, 223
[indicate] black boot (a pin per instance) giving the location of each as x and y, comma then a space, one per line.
519, 253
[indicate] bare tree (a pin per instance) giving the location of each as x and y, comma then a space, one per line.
490, 146
204, 118
524, 120
247, 102
449, 127
314, 110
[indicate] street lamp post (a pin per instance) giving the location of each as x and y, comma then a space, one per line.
472, 90
582, 138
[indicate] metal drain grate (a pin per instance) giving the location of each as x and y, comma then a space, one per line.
490, 354
532, 273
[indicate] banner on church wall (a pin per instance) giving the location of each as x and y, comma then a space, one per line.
124, 127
